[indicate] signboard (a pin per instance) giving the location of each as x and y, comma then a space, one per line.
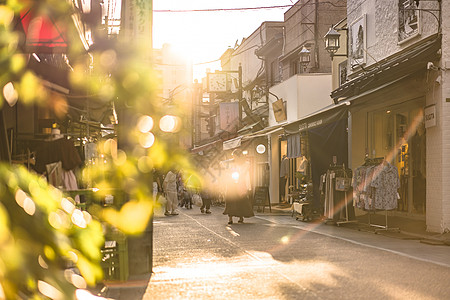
137, 19
304, 126
229, 116
279, 110
261, 197
358, 42
430, 116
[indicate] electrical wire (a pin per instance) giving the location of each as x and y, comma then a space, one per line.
220, 9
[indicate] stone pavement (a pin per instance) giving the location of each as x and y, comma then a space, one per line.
359, 232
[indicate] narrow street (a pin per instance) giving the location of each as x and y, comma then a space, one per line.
273, 256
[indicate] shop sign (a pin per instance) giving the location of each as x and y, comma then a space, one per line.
430, 116
279, 110
309, 125
229, 116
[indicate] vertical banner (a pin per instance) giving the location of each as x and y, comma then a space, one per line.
137, 20
278, 110
229, 116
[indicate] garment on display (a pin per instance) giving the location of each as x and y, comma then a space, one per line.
58, 158
302, 164
336, 191
375, 187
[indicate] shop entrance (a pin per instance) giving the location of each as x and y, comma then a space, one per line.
398, 134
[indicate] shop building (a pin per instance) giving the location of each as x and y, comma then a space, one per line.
396, 91
301, 94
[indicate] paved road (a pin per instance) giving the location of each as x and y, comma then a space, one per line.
198, 256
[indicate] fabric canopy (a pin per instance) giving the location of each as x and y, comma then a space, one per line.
42, 33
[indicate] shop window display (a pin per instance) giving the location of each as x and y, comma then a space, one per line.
399, 135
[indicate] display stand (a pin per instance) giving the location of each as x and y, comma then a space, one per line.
383, 227
337, 182
346, 220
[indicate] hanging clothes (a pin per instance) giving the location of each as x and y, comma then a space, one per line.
59, 158
363, 192
375, 186
386, 182
336, 191
69, 183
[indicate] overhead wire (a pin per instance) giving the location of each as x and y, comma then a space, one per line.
220, 9
239, 9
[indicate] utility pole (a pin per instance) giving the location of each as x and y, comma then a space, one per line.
240, 95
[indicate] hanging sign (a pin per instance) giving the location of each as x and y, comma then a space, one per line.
430, 116
229, 116
279, 110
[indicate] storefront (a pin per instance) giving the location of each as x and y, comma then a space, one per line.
257, 148
394, 130
313, 145
386, 106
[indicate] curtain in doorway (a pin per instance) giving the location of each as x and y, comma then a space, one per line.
325, 142
293, 146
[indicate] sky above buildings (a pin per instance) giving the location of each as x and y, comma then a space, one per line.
203, 36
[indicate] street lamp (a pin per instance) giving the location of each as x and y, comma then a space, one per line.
305, 57
332, 41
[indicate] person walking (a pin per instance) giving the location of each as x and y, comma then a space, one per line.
170, 189
206, 202
157, 184
237, 201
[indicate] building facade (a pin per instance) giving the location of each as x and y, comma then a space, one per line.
175, 82
305, 73
396, 88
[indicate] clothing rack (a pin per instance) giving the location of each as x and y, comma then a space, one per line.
346, 219
383, 227
341, 171
374, 162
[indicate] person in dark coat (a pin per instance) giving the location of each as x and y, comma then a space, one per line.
237, 201
206, 202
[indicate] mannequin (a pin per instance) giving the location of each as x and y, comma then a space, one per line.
284, 171
302, 165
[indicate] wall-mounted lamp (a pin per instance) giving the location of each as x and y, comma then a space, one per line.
332, 43
305, 57
260, 148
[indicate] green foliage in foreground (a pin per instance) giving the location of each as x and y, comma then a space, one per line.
43, 238
48, 247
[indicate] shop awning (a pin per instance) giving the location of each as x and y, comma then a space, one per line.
408, 61
199, 148
328, 114
237, 141
44, 33
233, 143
